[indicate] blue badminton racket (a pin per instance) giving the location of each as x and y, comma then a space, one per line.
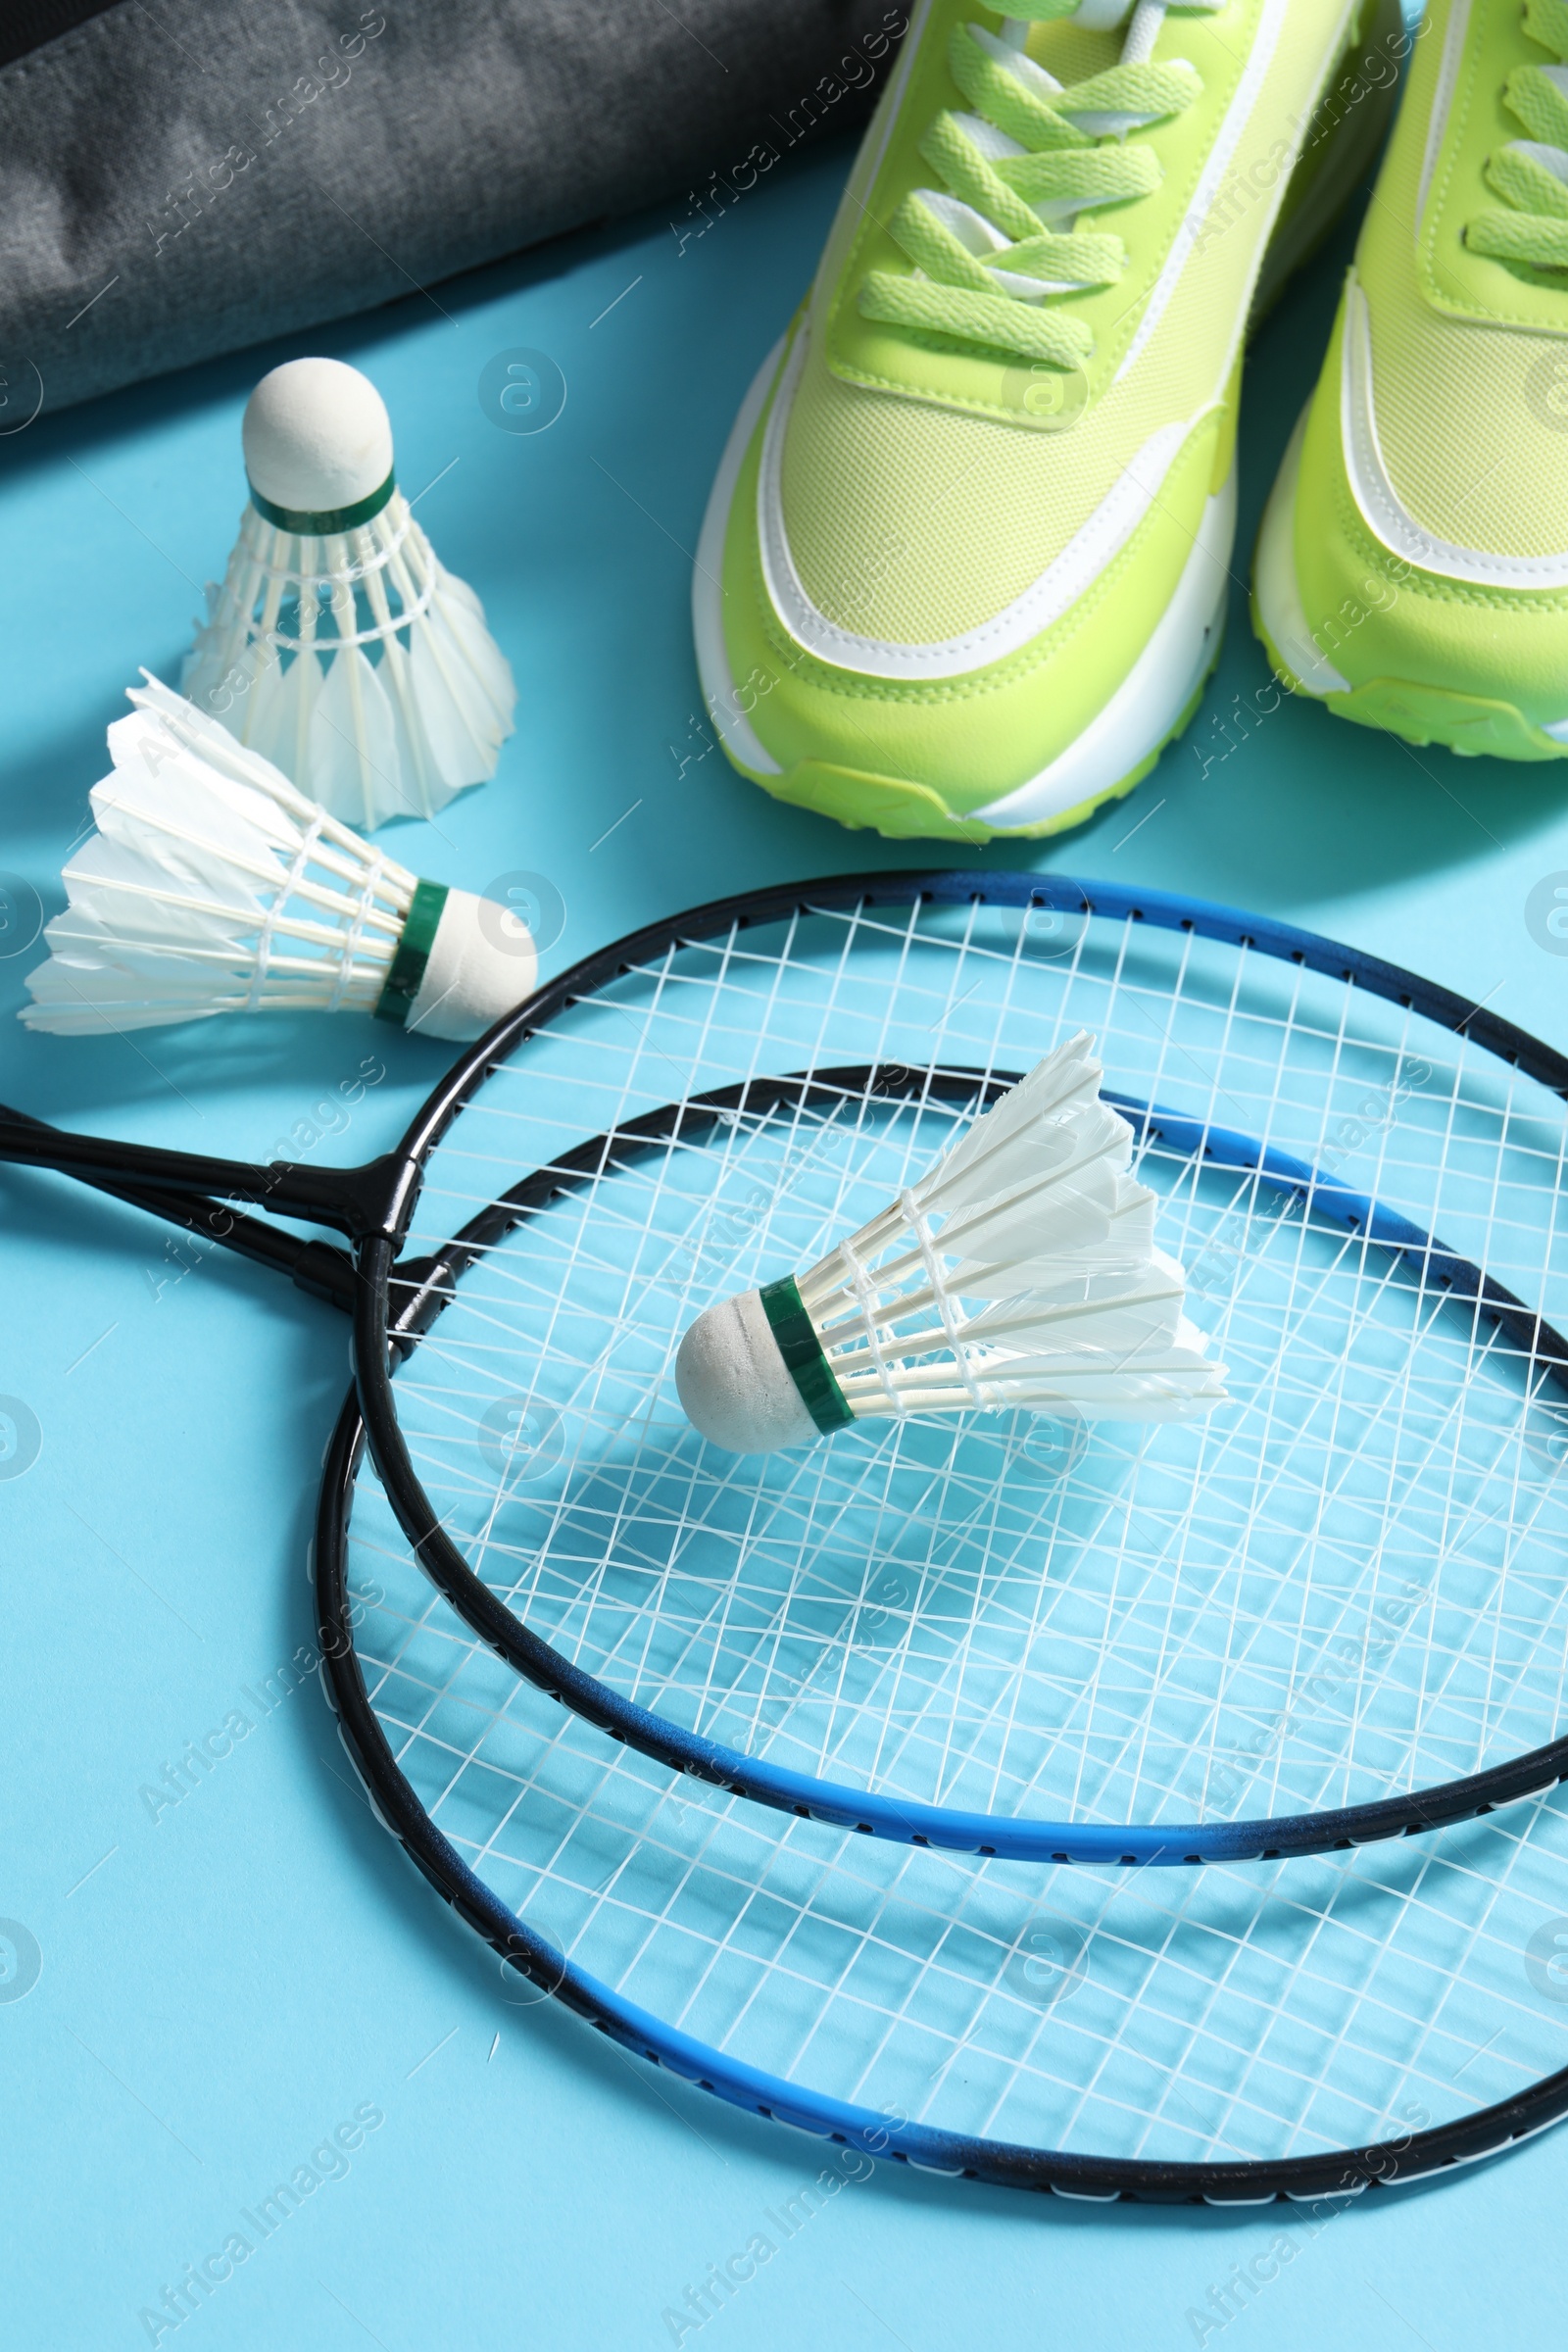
1305, 2029
1333, 1611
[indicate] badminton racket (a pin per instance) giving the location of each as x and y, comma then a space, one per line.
1332, 1613
1304, 2029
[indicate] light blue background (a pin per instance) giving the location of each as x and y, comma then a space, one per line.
224, 1984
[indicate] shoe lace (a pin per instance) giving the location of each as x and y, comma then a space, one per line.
1003, 237
1531, 175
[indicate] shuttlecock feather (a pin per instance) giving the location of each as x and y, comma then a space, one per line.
213, 885
1020, 1270
338, 646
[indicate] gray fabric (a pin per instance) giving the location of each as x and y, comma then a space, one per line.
388, 148
27, 25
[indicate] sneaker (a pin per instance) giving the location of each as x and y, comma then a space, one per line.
964, 566
1412, 569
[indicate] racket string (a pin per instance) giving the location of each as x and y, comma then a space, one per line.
1236, 2092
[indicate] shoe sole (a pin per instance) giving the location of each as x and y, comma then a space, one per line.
1472, 725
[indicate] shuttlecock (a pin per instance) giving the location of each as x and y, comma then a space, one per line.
330, 569
1019, 1271
213, 885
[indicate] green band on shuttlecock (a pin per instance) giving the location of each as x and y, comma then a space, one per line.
407, 976
317, 527
803, 1353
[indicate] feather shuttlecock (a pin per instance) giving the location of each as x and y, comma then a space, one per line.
1020, 1270
338, 646
213, 885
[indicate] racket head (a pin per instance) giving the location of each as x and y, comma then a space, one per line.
1333, 1611
1305, 2029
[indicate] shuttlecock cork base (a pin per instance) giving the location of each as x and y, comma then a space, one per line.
338, 646
213, 885
734, 1384
452, 974
318, 447
1019, 1271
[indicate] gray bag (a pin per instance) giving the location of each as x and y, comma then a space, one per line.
184, 177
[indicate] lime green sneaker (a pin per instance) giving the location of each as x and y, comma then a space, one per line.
1412, 569
965, 567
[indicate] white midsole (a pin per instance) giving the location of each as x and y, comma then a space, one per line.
1279, 600
1149, 703
730, 723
